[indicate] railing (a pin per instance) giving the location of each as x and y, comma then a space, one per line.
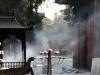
11, 64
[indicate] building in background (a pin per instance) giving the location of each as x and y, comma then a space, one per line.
84, 20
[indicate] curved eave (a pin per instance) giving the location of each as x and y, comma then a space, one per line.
10, 22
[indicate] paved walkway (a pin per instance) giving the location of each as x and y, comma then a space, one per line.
74, 72
64, 68
65, 74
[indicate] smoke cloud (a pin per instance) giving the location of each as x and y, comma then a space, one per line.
60, 35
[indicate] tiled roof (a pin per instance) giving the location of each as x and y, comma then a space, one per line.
9, 22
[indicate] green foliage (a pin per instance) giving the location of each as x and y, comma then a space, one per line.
69, 15
22, 9
7, 6
36, 4
47, 22
25, 14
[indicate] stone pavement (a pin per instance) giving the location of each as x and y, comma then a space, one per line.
64, 74
70, 72
65, 68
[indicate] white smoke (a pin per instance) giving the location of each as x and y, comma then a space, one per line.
12, 49
60, 34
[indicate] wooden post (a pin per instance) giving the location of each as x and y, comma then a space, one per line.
1, 53
24, 47
49, 67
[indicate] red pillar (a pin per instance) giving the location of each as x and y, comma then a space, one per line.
81, 51
81, 45
90, 43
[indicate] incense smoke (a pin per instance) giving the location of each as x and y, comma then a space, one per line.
59, 36
12, 49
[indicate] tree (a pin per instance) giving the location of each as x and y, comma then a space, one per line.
69, 16
47, 22
22, 10
25, 14
6, 6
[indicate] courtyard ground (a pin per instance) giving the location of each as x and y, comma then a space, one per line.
62, 68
